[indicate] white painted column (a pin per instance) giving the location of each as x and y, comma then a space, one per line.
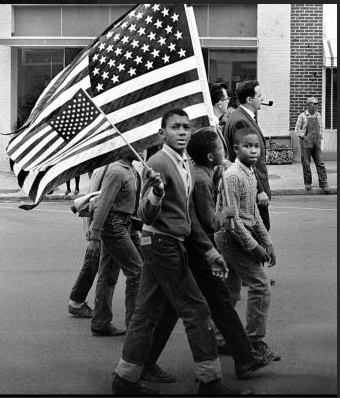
5, 83
273, 32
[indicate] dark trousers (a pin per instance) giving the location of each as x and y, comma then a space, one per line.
166, 276
85, 279
118, 251
89, 270
264, 213
217, 294
306, 156
68, 183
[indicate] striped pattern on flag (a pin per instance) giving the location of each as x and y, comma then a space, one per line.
142, 66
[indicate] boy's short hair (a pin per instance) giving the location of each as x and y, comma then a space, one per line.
171, 112
202, 142
246, 89
243, 129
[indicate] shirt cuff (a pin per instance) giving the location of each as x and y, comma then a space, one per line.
154, 199
211, 255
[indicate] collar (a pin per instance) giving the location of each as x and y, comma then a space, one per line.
126, 166
216, 120
208, 170
250, 113
175, 155
246, 169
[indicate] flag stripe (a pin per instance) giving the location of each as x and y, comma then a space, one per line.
145, 80
53, 87
74, 78
59, 102
29, 144
51, 147
94, 128
158, 112
147, 105
141, 140
133, 73
44, 142
17, 141
152, 89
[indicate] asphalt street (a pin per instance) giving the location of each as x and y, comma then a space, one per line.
45, 351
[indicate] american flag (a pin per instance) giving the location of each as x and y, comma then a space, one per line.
147, 62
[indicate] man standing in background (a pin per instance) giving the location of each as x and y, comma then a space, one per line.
309, 129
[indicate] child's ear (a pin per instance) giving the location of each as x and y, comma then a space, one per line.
161, 133
210, 157
235, 148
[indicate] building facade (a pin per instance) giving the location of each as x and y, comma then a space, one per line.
281, 45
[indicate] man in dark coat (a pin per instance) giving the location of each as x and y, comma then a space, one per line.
250, 97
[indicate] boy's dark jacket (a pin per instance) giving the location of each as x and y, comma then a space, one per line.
172, 216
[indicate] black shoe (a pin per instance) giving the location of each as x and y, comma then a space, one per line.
264, 351
108, 330
216, 388
124, 387
155, 374
326, 190
223, 350
82, 312
244, 371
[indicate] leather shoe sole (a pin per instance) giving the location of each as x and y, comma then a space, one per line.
108, 332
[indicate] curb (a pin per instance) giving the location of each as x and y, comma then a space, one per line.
301, 191
66, 198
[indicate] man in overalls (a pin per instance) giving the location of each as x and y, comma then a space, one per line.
309, 129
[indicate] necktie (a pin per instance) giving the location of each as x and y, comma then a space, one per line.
187, 178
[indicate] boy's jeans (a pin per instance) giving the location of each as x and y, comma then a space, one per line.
118, 251
253, 274
166, 275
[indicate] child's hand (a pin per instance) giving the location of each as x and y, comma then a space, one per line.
262, 199
260, 254
272, 255
93, 248
155, 180
219, 268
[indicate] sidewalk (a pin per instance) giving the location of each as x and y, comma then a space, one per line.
284, 180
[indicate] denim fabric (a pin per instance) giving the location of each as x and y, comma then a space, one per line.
118, 251
217, 294
254, 275
306, 155
166, 275
85, 279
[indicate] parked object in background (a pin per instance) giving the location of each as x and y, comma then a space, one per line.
279, 150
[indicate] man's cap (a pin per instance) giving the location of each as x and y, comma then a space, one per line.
313, 100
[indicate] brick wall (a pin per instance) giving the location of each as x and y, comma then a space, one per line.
306, 56
273, 66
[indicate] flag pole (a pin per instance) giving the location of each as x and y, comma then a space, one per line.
226, 194
120, 134
205, 88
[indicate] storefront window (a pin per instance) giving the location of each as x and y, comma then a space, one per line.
37, 67
231, 67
